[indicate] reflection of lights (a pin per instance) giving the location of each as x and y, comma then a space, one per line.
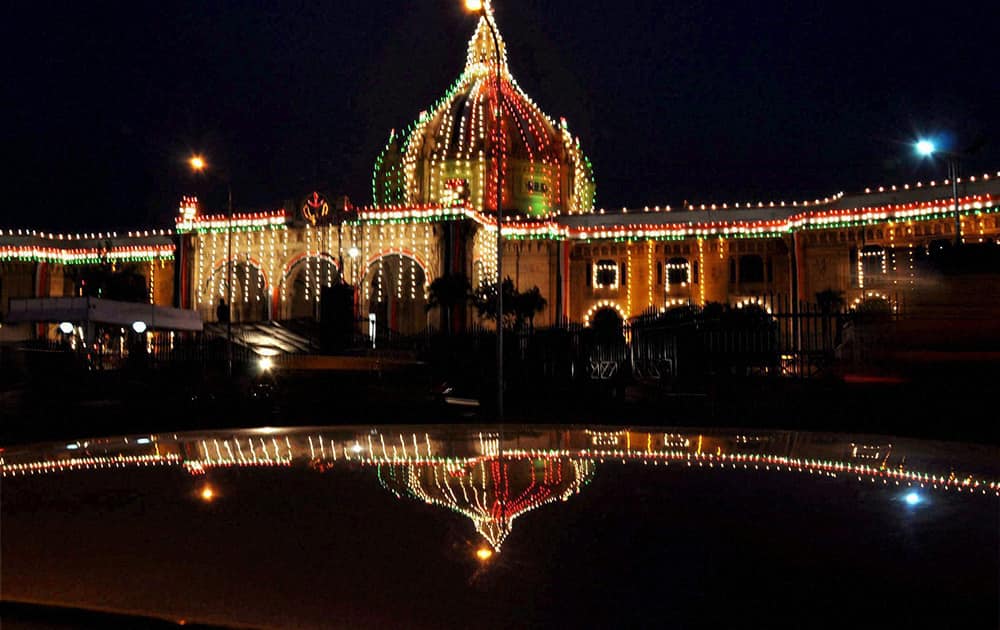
493, 491
207, 494
484, 554
66, 328
912, 498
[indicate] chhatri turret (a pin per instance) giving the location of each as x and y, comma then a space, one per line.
447, 157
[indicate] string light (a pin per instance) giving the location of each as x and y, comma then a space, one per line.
470, 118
649, 271
701, 270
628, 280
602, 304
86, 255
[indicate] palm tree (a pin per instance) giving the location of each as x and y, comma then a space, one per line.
486, 301
449, 292
529, 304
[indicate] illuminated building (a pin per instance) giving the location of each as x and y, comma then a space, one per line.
432, 215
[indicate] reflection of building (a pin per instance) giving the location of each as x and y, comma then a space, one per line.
432, 215
491, 491
465, 472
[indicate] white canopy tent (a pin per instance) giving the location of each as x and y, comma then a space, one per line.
90, 310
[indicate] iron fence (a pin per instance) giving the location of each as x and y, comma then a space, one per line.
767, 334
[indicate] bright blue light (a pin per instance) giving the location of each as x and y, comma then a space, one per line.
142, 441
912, 498
926, 147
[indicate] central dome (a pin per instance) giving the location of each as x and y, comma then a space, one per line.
448, 156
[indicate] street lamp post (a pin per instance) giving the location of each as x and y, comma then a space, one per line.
480, 7
199, 165
927, 148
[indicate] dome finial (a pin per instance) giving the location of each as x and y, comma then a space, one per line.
482, 49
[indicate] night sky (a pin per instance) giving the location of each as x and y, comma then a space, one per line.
673, 101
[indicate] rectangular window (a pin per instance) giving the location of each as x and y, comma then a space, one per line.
751, 268
533, 186
605, 275
659, 273
677, 272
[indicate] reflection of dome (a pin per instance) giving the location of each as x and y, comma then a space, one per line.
447, 155
492, 491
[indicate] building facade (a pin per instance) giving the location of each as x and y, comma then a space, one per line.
434, 212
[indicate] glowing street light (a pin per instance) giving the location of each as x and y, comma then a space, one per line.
207, 494
139, 327
199, 165
484, 554
474, 6
66, 328
927, 148
912, 498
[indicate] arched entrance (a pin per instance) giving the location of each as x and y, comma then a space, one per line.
607, 324
304, 282
395, 293
250, 292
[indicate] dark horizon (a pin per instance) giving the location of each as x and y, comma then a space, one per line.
671, 102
